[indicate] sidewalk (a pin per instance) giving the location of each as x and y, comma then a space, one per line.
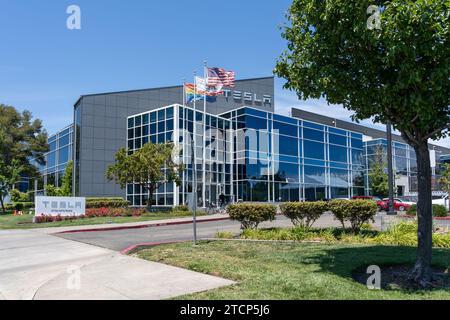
36, 266
130, 225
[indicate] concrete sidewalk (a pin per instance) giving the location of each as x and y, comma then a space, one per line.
130, 225
34, 265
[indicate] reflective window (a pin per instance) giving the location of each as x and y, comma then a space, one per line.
63, 155
286, 172
338, 178
313, 150
314, 175
313, 134
338, 154
286, 145
285, 129
337, 139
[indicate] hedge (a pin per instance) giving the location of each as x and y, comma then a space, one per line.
251, 215
438, 210
304, 214
19, 206
106, 203
357, 212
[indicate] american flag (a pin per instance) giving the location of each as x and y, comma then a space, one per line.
218, 77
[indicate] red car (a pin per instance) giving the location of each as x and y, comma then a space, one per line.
381, 204
399, 205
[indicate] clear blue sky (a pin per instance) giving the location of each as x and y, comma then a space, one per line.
123, 45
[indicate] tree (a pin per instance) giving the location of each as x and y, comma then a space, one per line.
21, 139
9, 176
378, 178
398, 73
148, 167
66, 184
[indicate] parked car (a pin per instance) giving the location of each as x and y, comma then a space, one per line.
444, 201
382, 205
399, 205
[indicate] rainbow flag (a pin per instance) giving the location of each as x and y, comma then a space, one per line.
193, 95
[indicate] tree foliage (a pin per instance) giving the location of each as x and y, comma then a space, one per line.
378, 178
21, 139
148, 167
398, 73
66, 184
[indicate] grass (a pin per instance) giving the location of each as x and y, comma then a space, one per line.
291, 271
9, 221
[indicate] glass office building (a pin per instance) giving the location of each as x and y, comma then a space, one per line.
250, 155
57, 158
178, 124
404, 165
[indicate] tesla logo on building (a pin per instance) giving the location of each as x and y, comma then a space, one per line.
248, 97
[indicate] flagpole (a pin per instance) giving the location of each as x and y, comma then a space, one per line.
194, 165
205, 74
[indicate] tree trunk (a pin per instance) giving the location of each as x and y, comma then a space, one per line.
3, 205
150, 196
421, 273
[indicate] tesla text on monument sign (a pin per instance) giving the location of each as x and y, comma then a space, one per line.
60, 206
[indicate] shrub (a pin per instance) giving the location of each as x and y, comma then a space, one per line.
106, 203
17, 196
438, 210
357, 212
181, 208
113, 212
251, 215
304, 214
18, 206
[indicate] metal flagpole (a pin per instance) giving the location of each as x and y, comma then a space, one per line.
205, 74
194, 165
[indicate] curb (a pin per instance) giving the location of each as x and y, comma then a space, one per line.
150, 225
132, 248
434, 218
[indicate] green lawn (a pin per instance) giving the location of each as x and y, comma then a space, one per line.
9, 221
291, 271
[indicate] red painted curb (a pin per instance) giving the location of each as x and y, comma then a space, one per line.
148, 244
163, 224
434, 218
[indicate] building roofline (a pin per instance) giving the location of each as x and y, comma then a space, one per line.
156, 88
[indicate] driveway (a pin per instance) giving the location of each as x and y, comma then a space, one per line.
34, 265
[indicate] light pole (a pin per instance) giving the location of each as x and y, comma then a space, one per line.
391, 210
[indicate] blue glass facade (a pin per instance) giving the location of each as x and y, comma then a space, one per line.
280, 159
57, 158
251, 155
404, 164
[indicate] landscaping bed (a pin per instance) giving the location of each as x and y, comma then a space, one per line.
402, 233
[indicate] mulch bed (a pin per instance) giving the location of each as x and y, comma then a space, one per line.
396, 278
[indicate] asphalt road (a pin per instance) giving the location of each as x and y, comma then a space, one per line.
119, 240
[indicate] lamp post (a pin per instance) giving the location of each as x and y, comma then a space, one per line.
391, 210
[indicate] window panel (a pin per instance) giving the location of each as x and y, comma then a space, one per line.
313, 150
